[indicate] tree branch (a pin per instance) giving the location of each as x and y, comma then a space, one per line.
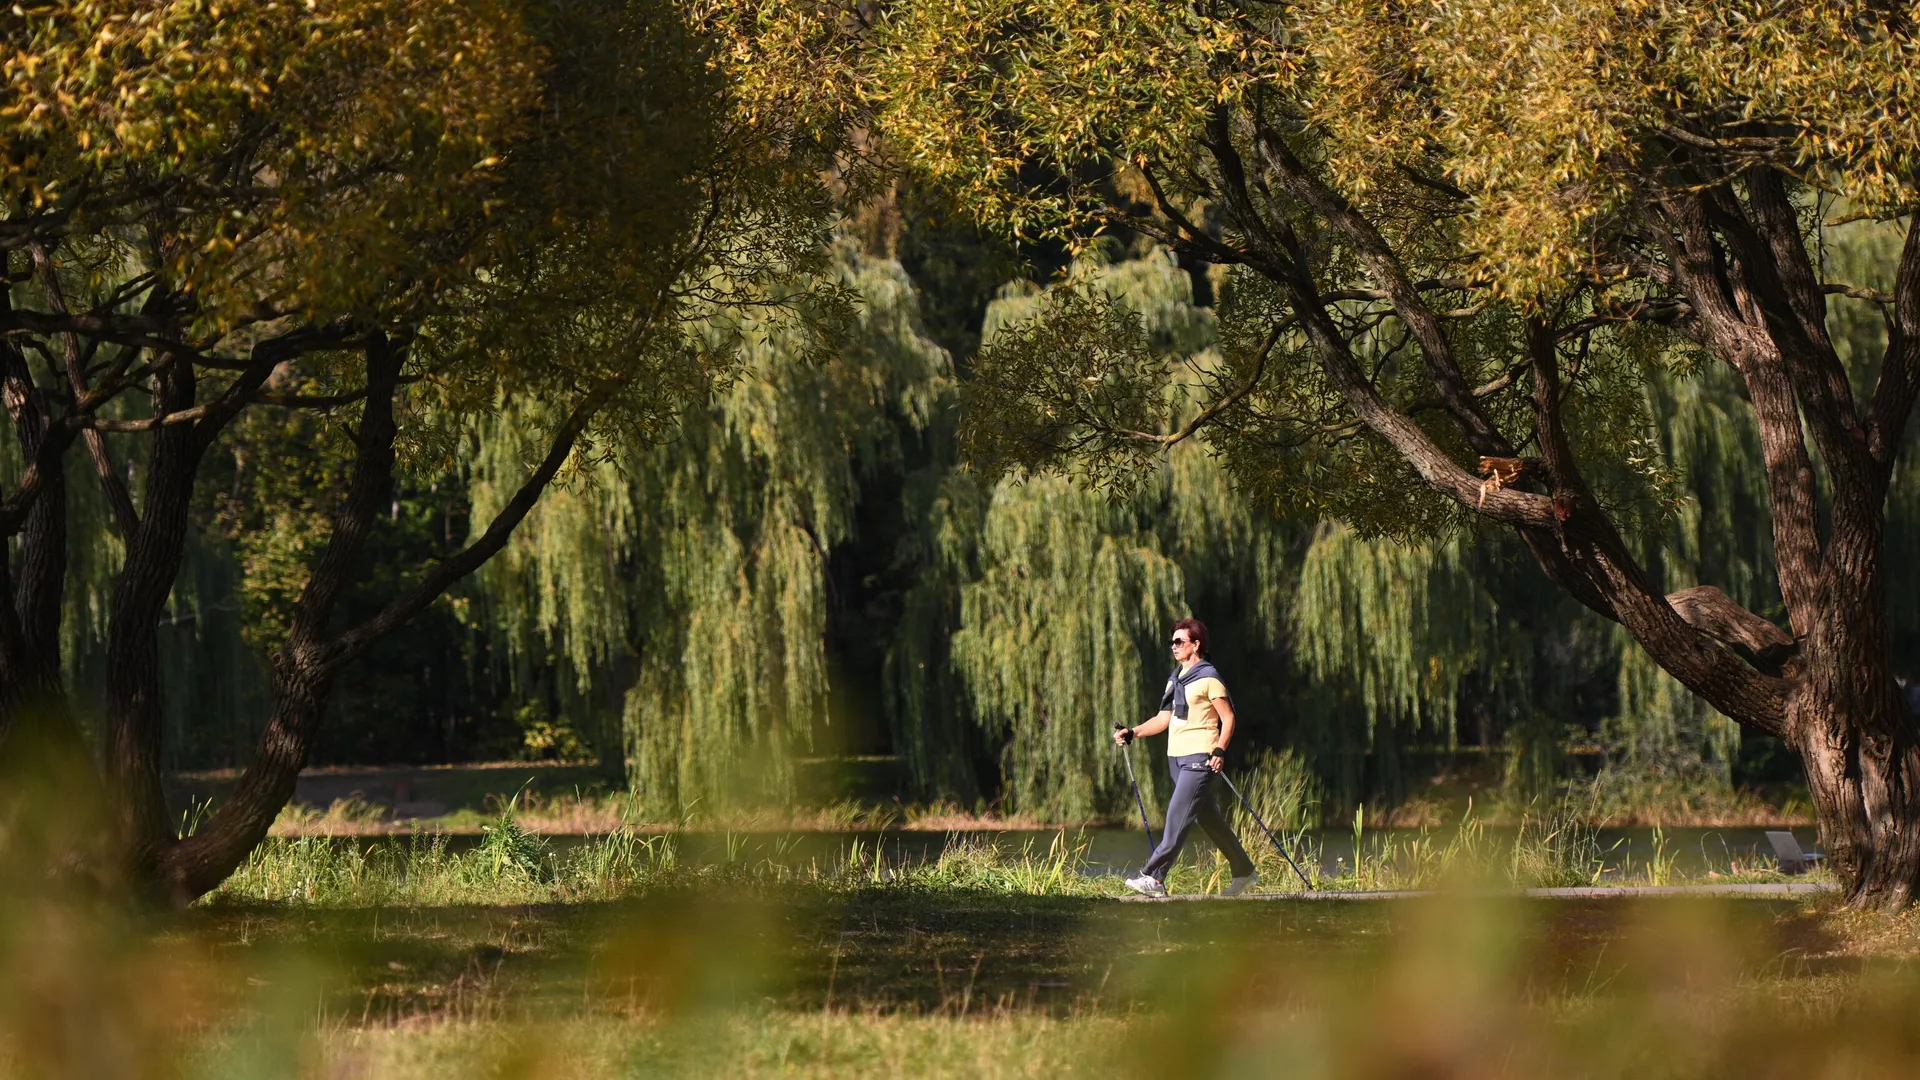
119, 502
1442, 473
184, 416
351, 644
321, 401
1207, 414
1893, 395
1384, 267
1788, 285
1700, 273
39, 580
1199, 238
1591, 547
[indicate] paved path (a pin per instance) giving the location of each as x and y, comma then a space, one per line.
1769, 891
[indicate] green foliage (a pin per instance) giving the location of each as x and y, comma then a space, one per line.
1057, 603
348, 132
508, 850
530, 202
689, 575
1054, 636
1516, 165
1402, 625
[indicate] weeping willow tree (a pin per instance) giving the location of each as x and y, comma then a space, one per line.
1054, 637
1389, 634
686, 580
1039, 618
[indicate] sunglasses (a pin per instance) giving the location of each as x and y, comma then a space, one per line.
1177, 642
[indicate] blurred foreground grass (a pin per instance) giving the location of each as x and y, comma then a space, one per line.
804, 980
404, 958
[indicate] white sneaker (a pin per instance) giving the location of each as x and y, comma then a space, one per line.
1146, 886
1240, 884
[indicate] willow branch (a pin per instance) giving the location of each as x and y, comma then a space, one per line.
1194, 235
1503, 381
322, 401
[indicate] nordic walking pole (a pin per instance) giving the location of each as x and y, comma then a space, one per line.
1263, 828
1127, 752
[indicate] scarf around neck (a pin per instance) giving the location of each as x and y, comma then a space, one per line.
1175, 697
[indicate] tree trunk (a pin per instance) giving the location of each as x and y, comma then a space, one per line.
197, 865
308, 661
1850, 723
1865, 782
134, 705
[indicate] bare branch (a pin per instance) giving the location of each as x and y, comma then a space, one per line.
1188, 231
1836, 288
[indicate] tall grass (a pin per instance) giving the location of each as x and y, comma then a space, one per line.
424, 871
1648, 795
513, 866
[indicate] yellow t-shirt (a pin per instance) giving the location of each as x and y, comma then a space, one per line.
1196, 734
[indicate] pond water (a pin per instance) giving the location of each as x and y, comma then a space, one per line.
1694, 851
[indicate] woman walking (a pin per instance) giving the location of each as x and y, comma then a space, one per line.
1197, 713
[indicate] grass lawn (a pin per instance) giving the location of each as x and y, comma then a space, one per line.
891, 981
335, 958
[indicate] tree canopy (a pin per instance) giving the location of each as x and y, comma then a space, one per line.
414, 215
1459, 232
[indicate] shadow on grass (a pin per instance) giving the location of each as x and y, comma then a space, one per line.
952, 952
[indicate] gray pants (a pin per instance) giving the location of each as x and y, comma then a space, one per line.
1193, 801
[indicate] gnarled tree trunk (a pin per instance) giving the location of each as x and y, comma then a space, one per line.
1864, 777
1851, 725
1733, 255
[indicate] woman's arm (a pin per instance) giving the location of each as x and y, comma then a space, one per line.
1154, 726
1224, 707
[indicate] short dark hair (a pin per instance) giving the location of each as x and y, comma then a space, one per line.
1197, 631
